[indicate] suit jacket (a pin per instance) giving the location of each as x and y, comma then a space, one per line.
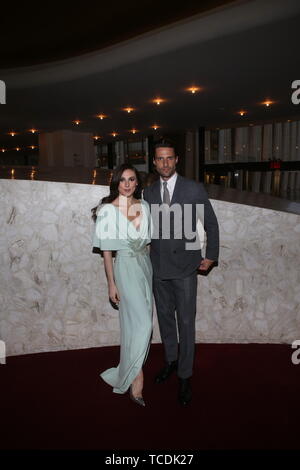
170, 257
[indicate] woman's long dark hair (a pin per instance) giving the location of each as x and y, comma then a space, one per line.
114, 184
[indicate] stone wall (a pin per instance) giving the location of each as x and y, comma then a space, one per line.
53, 293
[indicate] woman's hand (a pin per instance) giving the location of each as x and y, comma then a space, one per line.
113, 294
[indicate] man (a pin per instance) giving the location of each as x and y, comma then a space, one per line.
176, 260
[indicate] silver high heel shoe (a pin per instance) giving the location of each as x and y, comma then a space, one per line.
138, 400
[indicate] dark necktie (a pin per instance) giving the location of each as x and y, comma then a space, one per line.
166, 194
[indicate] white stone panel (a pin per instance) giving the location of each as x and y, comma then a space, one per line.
53, 293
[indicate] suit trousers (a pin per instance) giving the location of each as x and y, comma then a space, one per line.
177, 295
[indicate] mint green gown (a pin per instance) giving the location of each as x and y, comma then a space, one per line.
133, 276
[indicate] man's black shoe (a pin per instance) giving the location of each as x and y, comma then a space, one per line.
185, 392
169, 368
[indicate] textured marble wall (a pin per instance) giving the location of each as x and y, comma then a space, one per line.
53, 293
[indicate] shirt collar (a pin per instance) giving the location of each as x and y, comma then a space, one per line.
171, 181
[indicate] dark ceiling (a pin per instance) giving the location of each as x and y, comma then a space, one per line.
237, 69
41, 32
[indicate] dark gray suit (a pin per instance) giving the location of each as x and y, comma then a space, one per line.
175, 270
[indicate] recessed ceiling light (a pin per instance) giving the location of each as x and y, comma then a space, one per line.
158, 100
129, 109
193, 89
268, 103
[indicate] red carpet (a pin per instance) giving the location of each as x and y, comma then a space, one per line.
245, 396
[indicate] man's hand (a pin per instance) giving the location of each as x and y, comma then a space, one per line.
205, 264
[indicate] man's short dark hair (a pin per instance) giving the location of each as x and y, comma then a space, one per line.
165, 143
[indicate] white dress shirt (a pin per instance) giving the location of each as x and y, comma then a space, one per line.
171, 185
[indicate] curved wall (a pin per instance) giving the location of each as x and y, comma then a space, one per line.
53, 293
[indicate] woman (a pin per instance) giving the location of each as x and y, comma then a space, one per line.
123, 225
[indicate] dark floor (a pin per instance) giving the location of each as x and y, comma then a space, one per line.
245, 396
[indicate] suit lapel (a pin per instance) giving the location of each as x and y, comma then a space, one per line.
176, 193
177, 190
156, 192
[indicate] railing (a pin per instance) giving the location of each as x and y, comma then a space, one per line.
222, 191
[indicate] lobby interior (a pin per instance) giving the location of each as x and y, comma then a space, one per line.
86, 90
